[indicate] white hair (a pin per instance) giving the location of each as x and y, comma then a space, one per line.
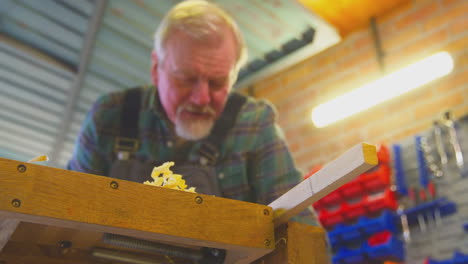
199, 19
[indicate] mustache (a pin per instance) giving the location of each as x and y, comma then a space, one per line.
196, 109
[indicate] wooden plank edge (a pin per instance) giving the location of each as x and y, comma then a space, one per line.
39, 184
343, 169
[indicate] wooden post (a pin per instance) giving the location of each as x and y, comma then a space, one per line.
298, 243
7, 227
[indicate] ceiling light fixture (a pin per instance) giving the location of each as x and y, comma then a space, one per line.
378, 91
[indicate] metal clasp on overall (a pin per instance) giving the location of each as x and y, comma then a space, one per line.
125, 147
209, 154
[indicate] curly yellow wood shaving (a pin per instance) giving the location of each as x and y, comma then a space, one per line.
164, 177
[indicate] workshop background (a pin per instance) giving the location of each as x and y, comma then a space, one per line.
411, 31
58, 56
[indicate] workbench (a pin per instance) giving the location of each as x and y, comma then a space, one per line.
50, 215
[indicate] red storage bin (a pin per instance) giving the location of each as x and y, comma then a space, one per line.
333, 198
376, 179
352, 189
379, 238
383, 154
330, 218
375, 203
318, 205
352, 211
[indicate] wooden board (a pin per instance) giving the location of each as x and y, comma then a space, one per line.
82, 201
343, 169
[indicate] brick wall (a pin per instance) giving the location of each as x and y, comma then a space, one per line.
408, 33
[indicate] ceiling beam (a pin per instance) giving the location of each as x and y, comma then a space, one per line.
77, 85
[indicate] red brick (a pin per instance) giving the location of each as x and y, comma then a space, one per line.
447, 16
417, 50
371, 69
410, 131
389, 123
351, 138
404, 36
363, 119
388, 19
436, 37
310, 154
461, 110
407, 100
438, 105
294, 74
451, 82
289, 111
343, 50
460, 60
265, 87
331, 147
449, 3
279, 94
270, 92
348, 81
364, 42
306, 129
305, 99
324, 58
459, 26
294, 147
359, 57
418, 15
322, 75
457, 45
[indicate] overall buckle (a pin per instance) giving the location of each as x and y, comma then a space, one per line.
124, 147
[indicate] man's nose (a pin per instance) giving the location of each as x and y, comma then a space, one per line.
201, 93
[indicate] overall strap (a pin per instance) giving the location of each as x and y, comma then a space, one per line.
209, 149
127, 142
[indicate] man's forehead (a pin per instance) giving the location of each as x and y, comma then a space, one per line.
188, 65
183, 70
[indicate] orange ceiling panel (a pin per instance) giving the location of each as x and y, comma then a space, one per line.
350, 15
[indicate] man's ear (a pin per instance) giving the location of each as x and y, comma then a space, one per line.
154, 68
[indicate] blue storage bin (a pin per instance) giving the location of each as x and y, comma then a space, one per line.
430, 261
385, 246
386, 221
345, 234
351, 234
350, 256
460, 258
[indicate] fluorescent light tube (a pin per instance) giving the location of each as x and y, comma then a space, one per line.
388, 87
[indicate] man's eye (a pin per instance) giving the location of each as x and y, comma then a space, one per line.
186, 79
218, 84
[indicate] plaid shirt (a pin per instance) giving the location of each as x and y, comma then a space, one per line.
253, 156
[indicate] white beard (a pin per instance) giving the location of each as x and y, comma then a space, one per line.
193, 129
190, 129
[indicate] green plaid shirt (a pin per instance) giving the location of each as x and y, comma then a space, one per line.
253, 157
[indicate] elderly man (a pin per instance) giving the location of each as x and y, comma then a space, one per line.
223, 143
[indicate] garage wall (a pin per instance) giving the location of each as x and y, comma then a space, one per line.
409, 33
